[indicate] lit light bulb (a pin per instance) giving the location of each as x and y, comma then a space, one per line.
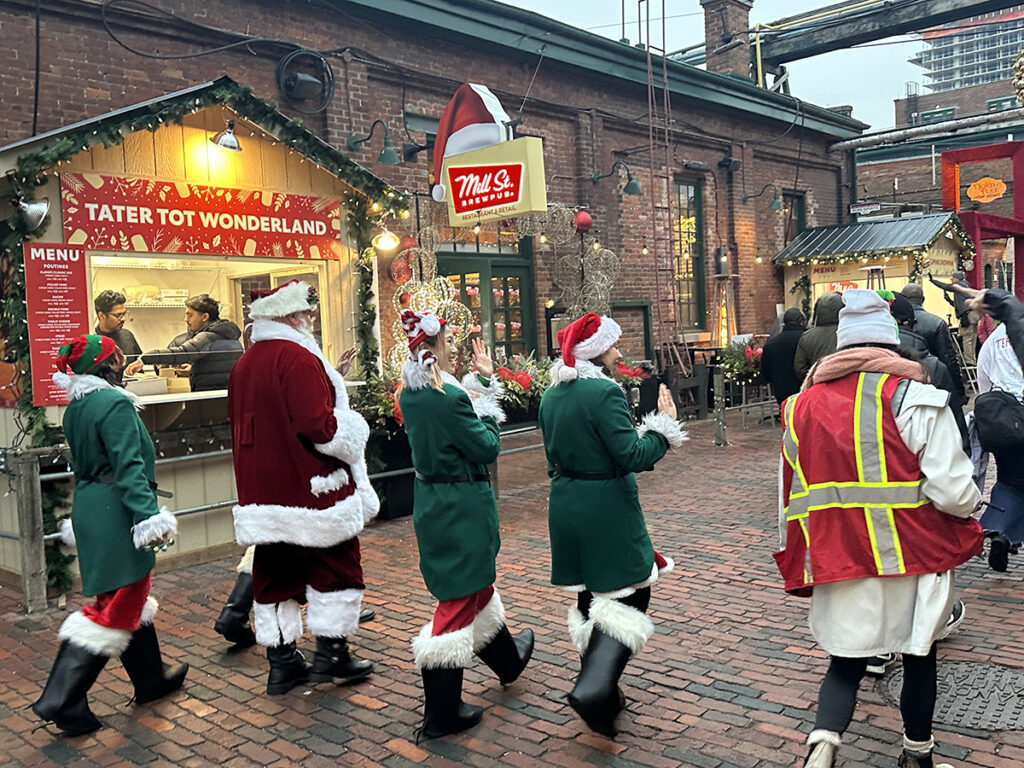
543, 237
759, 260
476, 229
644, 250
597, 246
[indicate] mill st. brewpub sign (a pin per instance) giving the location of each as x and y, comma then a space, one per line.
501, 181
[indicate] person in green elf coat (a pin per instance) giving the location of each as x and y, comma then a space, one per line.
453, 432
600, 549
116, 525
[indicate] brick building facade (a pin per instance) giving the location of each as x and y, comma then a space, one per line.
585, 96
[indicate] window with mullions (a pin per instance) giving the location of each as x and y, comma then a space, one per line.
689, 253
794, 212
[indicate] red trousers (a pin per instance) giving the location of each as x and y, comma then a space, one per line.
281, 572
453, 615
120, 609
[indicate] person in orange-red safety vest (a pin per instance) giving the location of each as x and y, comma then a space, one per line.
875, 511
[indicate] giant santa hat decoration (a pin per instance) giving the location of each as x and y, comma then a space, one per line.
473, 119
586, 338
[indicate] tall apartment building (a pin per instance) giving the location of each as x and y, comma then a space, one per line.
973, 51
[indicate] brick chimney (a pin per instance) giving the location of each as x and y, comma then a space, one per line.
725, 35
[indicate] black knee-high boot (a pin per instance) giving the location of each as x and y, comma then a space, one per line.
508, 656
63, 701
444, 711
233, 621
596, 696
145, 666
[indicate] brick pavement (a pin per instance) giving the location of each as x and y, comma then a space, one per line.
728, 679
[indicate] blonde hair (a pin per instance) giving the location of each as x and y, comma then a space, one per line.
432, 343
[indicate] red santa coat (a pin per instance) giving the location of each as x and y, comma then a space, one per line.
298, 448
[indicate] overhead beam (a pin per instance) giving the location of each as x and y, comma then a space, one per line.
779, 47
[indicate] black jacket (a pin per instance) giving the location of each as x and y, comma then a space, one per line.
820, 340
935, 332
212, 351
777, 361
939, 376
125, 341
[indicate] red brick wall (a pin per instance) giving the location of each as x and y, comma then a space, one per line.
968, 101
586, 120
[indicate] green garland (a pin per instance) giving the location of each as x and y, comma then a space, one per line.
803, 285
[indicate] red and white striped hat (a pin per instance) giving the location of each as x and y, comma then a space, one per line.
418, 326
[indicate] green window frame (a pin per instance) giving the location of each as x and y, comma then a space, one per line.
688, 255
794, 211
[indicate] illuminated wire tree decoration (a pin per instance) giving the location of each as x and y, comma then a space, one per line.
584, 270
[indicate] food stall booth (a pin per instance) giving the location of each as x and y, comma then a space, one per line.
205, 191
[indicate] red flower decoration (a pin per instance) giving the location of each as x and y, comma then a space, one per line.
523, 379
504, 372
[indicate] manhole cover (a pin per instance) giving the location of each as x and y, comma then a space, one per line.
978, 697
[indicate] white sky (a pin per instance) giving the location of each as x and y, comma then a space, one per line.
869, 78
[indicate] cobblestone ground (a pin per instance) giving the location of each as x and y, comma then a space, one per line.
729, 679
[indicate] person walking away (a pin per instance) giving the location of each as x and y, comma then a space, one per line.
820, 340
303, 491
934, 330
600, 548
779, 352
966, 316
115, 524
875, 513
453, 433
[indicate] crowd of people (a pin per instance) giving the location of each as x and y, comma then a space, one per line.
877, 494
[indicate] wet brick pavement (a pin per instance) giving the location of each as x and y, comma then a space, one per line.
729, 678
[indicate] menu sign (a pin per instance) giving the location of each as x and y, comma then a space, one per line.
117, 213
496, 182
58, 310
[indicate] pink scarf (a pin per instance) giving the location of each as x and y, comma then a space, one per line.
863, 360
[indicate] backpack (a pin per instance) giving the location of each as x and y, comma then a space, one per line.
1000, 420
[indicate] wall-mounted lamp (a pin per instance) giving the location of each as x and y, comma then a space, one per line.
226, 139
409, 151
632, 185
730, 163
31, 214
385, 241
775, 204
387, 156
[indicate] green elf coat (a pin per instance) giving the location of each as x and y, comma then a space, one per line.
451, 433
599, 540
114, 514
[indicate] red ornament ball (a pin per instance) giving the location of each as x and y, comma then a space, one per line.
408, 241
584, 221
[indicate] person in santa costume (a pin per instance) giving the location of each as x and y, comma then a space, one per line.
600, 549
875, 503
453, 433
115, 524
303, 491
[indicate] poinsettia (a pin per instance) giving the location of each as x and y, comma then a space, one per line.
629, 375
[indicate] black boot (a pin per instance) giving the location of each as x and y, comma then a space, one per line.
233, 621
145, 666
287, 669
367, 614
332, 661
444, 711
63, 701
596, 697
507, 656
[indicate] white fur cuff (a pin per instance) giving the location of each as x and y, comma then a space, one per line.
620, 622
333, 614
97, 639
277, 623
149, 611
471, 382
153, 529
453, 650
487, 405
349, 441
829, 737
665, 426
488, 622
579, 628
67, 533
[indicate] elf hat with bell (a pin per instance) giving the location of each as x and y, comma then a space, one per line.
85, 354
293, 296
473, 119
419, 325
589, 337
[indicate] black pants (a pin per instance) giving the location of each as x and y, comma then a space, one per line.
639, 600
838, 695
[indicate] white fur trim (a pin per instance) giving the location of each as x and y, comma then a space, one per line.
670, 565
288, 299
604, 339
102, 641
820, 735
277, 623
620, 622
333, 614
81, 384
245, 564
485, 405
415, 376
67, 533
665, 426
579, 628
488, 622
149, 611
349, 441
471, 383
154, 528
452, 650
305, 526
365, 491
335, 481
484, 399
584, 369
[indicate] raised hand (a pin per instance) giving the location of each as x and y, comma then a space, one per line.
482, 358
665, 402
345, 362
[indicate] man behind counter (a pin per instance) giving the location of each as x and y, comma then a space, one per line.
110, 317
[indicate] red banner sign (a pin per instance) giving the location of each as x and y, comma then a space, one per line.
116, 213
58, 310
481, 187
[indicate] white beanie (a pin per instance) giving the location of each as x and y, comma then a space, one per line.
865, 319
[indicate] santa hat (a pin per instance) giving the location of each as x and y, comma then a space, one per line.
865, 319
473, 119
293, 296
85, 354
419, 325
589, 337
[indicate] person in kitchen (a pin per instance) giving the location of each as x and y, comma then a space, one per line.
110, 317
210, 346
